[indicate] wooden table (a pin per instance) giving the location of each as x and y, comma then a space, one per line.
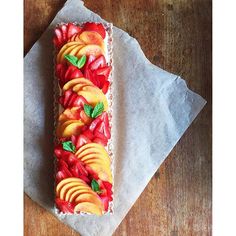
175, 35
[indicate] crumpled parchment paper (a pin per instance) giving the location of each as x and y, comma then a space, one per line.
151, 108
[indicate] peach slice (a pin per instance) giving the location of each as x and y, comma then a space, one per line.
91, 37
76, 38
93, 150
90, 145
102, 171
91, 49
65, 47
76, 191
88, 207
73, 82
71, 51
78, 87
70, 185
96, 156
94, 95
69, 114
68, 180
65, 52
87, 197
61, 126
72, 129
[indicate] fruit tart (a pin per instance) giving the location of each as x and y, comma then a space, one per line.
82, 150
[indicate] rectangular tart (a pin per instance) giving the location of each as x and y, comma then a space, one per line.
83, 99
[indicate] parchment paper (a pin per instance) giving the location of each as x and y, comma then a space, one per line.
152, 109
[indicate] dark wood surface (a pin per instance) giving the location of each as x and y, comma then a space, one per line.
175, 35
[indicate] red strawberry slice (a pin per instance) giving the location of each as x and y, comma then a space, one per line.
100, 141
60, 176
64, 206
68, 93
104, 71
81, 140
81, 168
61, 164
71, 100
79, 101
105, 87
72, 72
64, 32
95, 27
99, 62
95, 123
105, 202
104, 129
88, 133
72, 29
100, 135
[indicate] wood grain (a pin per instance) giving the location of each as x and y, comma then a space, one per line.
175, 35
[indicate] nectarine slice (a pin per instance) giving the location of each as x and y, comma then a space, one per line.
76, 81
96, 156
94, 95
88, 207
92, 150
102, 171
78, 87
91, 37
86, 197
68, 180
91, 49
68, 186
65, 52
75, 191
64, 48
90, 145
72, 129
61, 127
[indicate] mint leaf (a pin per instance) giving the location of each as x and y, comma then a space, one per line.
95, 186
98, 109
68, 146
81, 62
72, 59
88, 110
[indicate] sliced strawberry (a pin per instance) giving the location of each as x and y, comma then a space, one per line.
81, 140
88, 133
72, 30
71, 100
60, 176
64, 206
89, 60
64, 32
100, 135
104, 71
105, 202
100, 141
76, 74
105, 87
81, 168
88, 74
61, 164
79, 101
104, 129
72, 72
95, 123
68, 93
97, 27
99, 62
